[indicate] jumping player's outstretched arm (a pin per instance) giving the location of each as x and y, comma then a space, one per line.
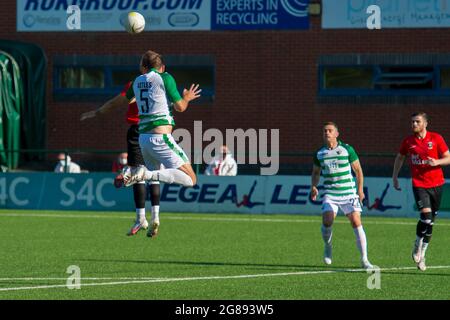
188, 95
397, 166
118, 101
356, 166
180, 103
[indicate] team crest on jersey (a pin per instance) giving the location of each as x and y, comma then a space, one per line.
430, 145
338, 152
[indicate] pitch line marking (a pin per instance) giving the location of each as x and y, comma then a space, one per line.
83, 278
205, 219
244, 276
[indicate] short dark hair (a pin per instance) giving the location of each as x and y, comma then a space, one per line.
420, 114
331, 123
152, 59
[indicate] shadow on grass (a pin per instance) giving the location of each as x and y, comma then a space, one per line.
232, 264
264, 266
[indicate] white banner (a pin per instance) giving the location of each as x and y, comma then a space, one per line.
339, 14
281, 194
108, 15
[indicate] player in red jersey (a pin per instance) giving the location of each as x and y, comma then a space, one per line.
135, 159
427, 152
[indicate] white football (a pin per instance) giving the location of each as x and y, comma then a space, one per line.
135, 22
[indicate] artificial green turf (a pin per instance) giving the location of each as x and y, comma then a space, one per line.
43, 244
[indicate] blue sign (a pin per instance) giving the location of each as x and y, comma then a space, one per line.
59, 191
340, 14
259, 14
278, 194
242, 194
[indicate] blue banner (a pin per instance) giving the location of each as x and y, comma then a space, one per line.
279, 194
163, 15
340, 14
53, 191
259, 14
242, 194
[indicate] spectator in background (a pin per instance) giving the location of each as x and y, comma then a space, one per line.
72, 167
223, 164
122, 161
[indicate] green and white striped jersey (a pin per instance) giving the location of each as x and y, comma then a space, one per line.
155, 92
339, 183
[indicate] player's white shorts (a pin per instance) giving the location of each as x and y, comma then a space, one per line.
162, 149
347, 205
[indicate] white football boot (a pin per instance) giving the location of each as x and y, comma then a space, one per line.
417, 251
327, 255
138, 225
154, 229
365, 264
133, 176
421, 264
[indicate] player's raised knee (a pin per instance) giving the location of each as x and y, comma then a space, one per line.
194, 179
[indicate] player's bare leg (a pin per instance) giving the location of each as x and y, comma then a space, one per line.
327, 233
187, 168
361, 240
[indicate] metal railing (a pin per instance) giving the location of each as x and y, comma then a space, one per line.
86, 154
291, 163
